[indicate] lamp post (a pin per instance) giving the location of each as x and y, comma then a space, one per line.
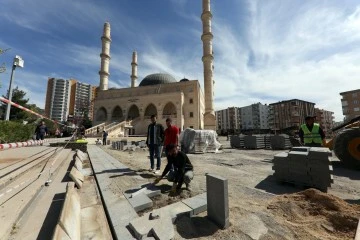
18, 62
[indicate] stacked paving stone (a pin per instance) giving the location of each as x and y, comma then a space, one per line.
124, 144
237, 141
267, 140
281, 142
305, 166
254, 142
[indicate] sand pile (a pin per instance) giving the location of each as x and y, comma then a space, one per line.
315, 214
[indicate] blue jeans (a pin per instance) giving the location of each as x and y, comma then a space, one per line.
155, 150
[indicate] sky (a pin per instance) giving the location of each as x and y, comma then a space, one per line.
264, 51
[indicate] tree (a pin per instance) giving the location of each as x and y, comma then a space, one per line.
18, 97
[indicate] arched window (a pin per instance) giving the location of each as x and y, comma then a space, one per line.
117, 114
101, 115
133, 112
150, 110
169, 111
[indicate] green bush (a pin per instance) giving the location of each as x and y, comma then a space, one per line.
15, 132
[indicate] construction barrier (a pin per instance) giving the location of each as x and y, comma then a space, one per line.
29, 143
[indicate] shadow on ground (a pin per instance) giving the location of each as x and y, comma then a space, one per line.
343, 171
195, 227
271, 185
52, 217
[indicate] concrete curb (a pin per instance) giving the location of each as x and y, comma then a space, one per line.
357, 234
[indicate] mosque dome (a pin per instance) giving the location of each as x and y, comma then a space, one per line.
184, 80
157, 78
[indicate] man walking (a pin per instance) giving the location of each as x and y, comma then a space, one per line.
154, 141
105, 134
183, 169
311, 134
41, 131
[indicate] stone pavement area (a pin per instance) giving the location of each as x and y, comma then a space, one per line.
251, 189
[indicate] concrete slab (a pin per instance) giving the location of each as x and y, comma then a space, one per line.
78, 165
70, 214
117, 206
357, 235
252, 226
77, 177
140, 202
198, 204
217, 200
60, 234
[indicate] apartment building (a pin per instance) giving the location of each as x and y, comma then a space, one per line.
350, 103
255, 117
57, 99
326, 120
289, 114
228, 120
68, 99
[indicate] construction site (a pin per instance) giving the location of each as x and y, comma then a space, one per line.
107, 192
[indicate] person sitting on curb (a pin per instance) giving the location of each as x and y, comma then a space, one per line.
182, 172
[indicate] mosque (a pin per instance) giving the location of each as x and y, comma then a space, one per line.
159, 93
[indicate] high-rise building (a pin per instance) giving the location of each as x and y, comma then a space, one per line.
326, 120
350, 103
289, 114
57, 99
228, 120
255, 117
82, 95
68, 99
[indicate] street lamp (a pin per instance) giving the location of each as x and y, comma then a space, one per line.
18, 62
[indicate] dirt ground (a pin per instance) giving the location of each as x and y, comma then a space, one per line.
260, 208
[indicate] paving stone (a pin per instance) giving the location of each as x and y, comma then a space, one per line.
198, 204
217, 200
77, 177
140, 202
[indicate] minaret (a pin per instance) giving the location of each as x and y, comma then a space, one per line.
206, 37
134, 70
105, 57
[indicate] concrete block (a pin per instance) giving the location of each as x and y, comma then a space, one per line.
78, 165
319, 151
140, 202
217, 200
357, 234
70, 214
77, 177
173, 210
60, 234
198, 204
300, 149
164, 229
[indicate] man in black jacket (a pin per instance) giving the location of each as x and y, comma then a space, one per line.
183, 169
154, 141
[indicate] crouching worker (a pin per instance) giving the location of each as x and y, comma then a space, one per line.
182, 169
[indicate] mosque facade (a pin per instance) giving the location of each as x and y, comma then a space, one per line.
160, 94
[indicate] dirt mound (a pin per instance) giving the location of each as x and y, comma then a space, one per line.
317, 214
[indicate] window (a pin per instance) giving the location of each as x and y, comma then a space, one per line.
344, 103
356, 109
191, 101
354, 95
191, 114
356, 102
